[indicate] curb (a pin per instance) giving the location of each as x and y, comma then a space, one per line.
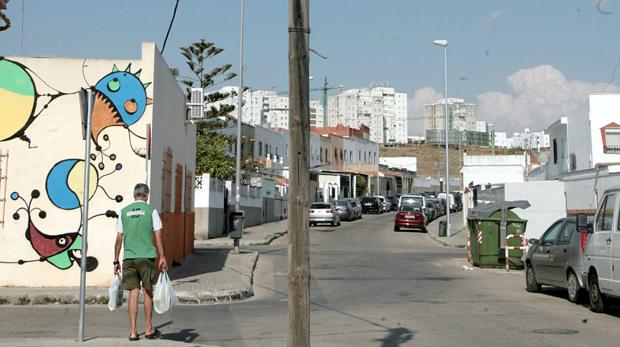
443, 243
201, 298
223, 296
267, 241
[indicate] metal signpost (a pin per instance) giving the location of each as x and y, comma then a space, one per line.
86, 98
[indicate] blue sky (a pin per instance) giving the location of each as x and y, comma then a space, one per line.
502, 54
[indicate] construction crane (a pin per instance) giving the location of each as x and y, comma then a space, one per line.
326, 87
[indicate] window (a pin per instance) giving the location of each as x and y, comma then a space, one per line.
321, 154
555, 151
549, 237
350, 156
341, 157
336, 154
260, 149
605, 214
566, 235
266, 149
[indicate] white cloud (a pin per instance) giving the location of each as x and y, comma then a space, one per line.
495, 15
415, 108
540, 96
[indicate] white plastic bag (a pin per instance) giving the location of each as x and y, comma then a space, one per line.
164, 296
115, 293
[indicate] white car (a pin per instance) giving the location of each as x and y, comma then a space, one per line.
601, 268
324, 212
384, 206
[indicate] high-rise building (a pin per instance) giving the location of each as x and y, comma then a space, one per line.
461, 115
382, 109
267, 108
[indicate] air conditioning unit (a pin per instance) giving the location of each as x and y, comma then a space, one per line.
196, 105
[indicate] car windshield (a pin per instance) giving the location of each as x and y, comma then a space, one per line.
413, 200
369, 200
409, 208
320, 206
341, 203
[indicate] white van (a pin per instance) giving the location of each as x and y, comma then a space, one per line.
601, 270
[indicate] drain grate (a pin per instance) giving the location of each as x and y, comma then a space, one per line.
555, 331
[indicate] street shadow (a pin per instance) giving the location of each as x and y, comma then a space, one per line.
201, 262
396, 337
185, 335
614, 304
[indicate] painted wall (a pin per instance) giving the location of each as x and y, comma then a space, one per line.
41, 128
485, 169
604, 110
547, 201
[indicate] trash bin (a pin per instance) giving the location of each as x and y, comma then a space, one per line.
484, 224
443, 228
236, 224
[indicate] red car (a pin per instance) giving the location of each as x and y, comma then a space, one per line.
410, 216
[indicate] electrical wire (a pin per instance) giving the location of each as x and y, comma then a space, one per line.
174, 14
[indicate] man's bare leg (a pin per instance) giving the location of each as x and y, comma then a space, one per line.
133, 311
148, 311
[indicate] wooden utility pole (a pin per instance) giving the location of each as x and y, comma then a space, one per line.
299, 163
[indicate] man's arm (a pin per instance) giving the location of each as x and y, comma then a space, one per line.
117, 252
162, 264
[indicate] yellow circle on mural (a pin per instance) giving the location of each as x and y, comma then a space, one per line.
17, 99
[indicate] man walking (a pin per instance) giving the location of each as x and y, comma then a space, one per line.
136, 226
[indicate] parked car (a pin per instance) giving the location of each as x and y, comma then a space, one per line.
440, 206
452, 202
415, 199
345, 210
371, 205
429, 211
384, 205
394, 202
602, 251
410, 216
357, 207
322, 212
556, 259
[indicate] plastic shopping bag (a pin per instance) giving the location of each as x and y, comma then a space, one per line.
164, 296
115, 293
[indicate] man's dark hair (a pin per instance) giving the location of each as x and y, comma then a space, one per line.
141, 189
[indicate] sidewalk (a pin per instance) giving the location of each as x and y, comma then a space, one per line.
258, 235
93, 342
458, 236
207, 276
212, 274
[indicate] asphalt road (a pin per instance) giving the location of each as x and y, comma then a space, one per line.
370, 286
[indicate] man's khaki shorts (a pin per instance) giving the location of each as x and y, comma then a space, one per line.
138, 271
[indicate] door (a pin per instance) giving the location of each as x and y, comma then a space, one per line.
615, 254
559, 254
598, 249
542, 260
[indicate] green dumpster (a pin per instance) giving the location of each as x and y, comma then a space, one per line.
486, 246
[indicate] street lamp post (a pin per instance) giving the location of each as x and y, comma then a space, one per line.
444, 44
239, 116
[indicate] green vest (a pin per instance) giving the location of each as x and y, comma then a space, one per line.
137, 219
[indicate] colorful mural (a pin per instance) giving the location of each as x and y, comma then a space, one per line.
120, 100
58, 250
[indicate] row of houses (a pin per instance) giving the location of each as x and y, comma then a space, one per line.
344, 163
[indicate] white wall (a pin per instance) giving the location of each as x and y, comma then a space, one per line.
493, 169
604, 109
547, 201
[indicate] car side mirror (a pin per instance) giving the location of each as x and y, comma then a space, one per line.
582, 224
532, 241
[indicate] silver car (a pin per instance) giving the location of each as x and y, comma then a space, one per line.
324, 212
556, 259
357, 207
345, 210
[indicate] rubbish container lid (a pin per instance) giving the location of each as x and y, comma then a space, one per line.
485, 211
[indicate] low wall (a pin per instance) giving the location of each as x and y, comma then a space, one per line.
210, 223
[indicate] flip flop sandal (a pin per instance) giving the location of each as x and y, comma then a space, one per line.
153, 335
134, 338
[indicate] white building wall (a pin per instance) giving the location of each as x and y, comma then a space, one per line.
493, 169
604, 109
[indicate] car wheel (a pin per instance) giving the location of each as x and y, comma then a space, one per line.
396, 228
332, 223
530, 280
574, 290
424, 230
598, 301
